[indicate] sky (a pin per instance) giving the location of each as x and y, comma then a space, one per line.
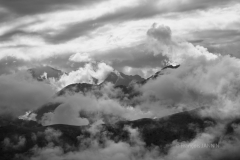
67, 34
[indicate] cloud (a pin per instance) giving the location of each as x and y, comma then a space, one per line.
29, 7
20, 93
64, 114
199, 82
125, 13
7, 36
10, 65
203, 79
194, 84
86, 74
152, 53
225, 49
80, 57
160, 42
52, 134
202, 4
61, 32
161, 33
9, 145
224, 42
216, 34
216, 39
206, 146
82, 109
143, 10
136, 57
92, 148
60, 61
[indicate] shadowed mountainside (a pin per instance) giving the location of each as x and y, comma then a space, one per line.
160, 132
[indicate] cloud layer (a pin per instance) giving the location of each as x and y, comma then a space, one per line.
62, 28
21, 93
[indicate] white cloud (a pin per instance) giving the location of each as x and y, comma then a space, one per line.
86, 74
64, 114
160, 42
95, 108
143, 72
80, 57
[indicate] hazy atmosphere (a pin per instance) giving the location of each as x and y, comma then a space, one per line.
119, 80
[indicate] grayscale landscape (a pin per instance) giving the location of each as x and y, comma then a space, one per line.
119, 80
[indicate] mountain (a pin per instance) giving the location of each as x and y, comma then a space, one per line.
159, 132
119, 78
45, 72
76, 88
161, 72
183, 126
115, 77
128, 91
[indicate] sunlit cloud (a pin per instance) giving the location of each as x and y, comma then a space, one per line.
101, 27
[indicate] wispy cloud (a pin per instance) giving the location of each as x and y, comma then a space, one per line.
39, 30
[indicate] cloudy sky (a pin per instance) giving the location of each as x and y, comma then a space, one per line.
68, 33
90, 38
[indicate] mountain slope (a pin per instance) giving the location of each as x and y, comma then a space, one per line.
45, 72
118, 78
161, 72
128, 91
161, 132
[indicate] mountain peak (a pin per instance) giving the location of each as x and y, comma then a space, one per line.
45, 72
119, 78
160, 72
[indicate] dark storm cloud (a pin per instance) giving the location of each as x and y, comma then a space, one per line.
29, 7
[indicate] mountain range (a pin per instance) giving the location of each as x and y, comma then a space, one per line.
120, 81
160, 132
153, 132
115, 77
